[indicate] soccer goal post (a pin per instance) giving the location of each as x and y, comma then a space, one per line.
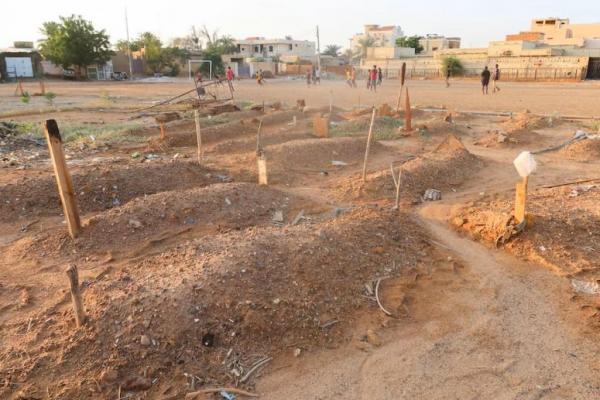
190, 62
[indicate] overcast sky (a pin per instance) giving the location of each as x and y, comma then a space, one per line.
477, 22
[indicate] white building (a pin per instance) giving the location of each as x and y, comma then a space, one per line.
432, 43
383, 36
257, 47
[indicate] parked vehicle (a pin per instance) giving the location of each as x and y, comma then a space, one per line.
119, 76
69, 73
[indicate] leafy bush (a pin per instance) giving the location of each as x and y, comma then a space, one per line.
456, 67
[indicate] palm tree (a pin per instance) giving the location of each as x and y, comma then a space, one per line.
363, 44
332, 50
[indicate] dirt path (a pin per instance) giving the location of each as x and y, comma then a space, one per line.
495, 332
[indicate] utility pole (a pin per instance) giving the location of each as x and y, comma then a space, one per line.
318, 50
128, 47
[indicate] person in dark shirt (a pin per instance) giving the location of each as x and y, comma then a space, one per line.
485, 80
448, 73
379, 76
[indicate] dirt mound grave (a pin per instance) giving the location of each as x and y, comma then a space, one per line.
248, 144
449, 165
583, 150
102, 187
150, 220
212, 307
561, 233
231, 130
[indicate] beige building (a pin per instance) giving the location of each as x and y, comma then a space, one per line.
560, 31
383, 36
432, 43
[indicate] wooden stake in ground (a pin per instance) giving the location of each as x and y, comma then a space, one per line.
42, 87
407, 114
330, 102
364, 172
198, 135
261, 158
73, 275
163, 134
402, 79
521, 199
263, 176
398, 184
63, 178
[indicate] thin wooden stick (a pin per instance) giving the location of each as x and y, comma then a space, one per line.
377, 298
76, 295
254, 368
258, 146
364, 172
63, 178
402, 79
198, 135
330, 101
241, 392
397, 206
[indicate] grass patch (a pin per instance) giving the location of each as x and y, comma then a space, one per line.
77, 132
384, 128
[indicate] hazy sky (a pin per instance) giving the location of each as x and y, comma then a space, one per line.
477, 22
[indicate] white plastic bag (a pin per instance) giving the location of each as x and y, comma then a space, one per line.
525, 164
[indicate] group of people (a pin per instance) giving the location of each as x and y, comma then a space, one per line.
374, 78
313, 76
488, 75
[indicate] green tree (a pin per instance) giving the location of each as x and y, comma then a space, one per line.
216, 47
410, 41
456, 67
74, 42
332, 50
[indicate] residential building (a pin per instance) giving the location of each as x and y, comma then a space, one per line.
434, 42
560, 31
258, 47
383, 36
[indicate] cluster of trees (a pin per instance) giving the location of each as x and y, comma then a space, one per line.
74, 42
410, 41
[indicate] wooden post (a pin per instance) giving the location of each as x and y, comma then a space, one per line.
198, 135
42, 87
520, 200
398, 183
262, 169
258, 146
163, 134
330, 101
402, 79
364, 172
407, 114
76, 295
63, 178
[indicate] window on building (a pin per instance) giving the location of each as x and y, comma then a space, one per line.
270, 49
290, 47
256, 49
239, 48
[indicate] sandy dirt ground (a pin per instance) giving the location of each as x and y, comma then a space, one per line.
313, 287
544, 98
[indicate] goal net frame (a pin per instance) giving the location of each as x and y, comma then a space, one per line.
190, 62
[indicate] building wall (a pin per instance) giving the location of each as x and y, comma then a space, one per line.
266, 48
384, 53
384, 36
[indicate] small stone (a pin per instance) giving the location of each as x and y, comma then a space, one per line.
297, 352
276, 301
373, 338
108, 376
145, 340
135, 224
